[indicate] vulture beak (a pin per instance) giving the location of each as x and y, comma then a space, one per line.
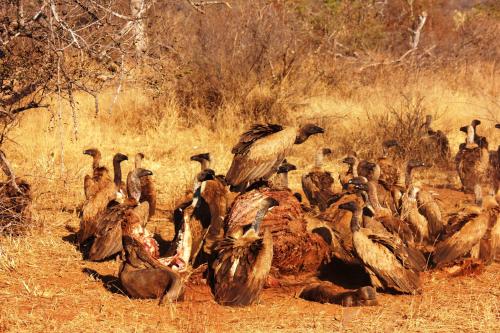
464, 129
88, 152
317, 130
144, 173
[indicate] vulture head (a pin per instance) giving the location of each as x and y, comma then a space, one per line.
415, 164
474, 123
200, 157
94, 152
388, 144
350, 160
286, 167
326, 151
134, 182
306, 131
497, 126
138, 160
119, 158
358, 184
428, 121
207, 174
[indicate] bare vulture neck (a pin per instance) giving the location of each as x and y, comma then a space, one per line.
283, 179
318, 162
117, 168
205, 164
96, 162
470, 135
356, 218
409, 176
373, 196
259, 217
134, 185
354, 168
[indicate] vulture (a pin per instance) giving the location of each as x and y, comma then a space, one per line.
353, 163
260, 151
474, 231
419, 209
282, 174
472, 160
295, 249
100, 175
201, 224
15, 199
108, 234
325, 293
317, 184
390, 173
436, 142
143, 276
121, 188
204, 159
100, 192
383, 259
391, 223
242, 263
148, 191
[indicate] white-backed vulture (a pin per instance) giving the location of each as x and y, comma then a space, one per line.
242, 264
260, 151
201, 224
419, 209
390, 173
143, 276
121, 187
100, 191
100, 175
204, 159
295, 249
317, 184
109, 225
282, 174
15, 200
381, 257
391, 223
474, 231
472, 160
435, 142
352, 171
148, 191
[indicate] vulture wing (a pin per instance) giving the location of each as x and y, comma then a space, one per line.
380, 259
428, 207
241, 269
461, 242
259, 153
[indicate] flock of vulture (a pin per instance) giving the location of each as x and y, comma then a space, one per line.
247, 229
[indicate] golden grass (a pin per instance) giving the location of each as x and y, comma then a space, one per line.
43, 286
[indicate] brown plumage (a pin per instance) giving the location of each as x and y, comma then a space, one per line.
317, 184
295, 249
261, 150
242, 263
326, 293
100, 191
200, 224
15, 200
100, 177
121, 187
390, 173
148, 191
472, 161
494, 170
109, 225
142, 276
435, 142
474, 231
381, 257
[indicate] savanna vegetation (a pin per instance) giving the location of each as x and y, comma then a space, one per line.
175, 78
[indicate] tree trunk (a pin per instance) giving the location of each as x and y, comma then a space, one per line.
138, 9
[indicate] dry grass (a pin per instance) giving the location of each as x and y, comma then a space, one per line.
43, 281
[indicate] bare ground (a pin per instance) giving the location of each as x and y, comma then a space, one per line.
46, 286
